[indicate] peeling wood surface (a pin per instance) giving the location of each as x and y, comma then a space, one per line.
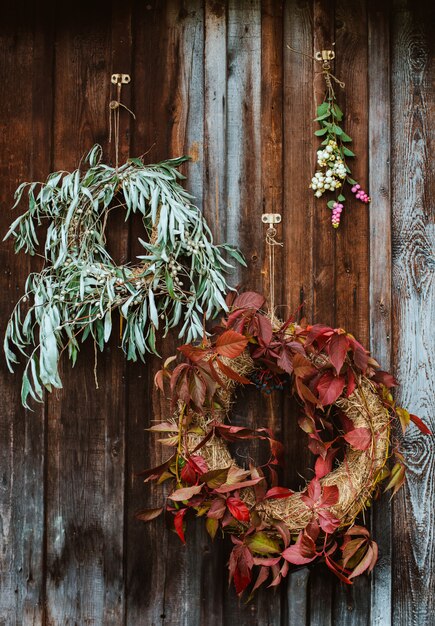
216, 80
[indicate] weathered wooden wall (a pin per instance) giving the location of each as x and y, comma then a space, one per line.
216, 80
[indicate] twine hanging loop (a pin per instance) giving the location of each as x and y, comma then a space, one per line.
271, 242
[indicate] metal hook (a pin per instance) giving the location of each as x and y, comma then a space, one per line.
120, 79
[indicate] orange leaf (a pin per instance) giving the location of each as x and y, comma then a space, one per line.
231, 344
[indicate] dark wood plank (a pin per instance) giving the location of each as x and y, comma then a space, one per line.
352, 605
413, 188
380, 269
298, 252
324, 240
25, 142
250, 65
146, 545
297, 598
352, 310
168, 62
324, 237
85, 498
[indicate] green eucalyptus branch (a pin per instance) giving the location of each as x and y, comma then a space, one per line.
180, 278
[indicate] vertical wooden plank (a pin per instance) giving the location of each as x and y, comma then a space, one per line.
249, 61
324, 240
352, 291
215, 211
168, 63
352, 605
413, 230
297, 600
243, 137
380, 269
146, 546
86, 425
324, 237
215, 106
298, 163
25, 141
298, 157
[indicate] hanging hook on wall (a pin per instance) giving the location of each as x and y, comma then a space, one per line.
114, 105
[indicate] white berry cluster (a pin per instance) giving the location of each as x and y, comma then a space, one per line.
335, 170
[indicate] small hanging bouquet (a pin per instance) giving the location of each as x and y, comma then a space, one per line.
333, 171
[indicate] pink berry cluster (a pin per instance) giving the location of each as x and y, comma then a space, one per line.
360, 194
336, 214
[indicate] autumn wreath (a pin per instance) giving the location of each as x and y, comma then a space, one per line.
347, 411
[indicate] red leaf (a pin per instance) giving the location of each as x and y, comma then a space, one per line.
197, 390
359, 438
302, 366
301, 552
249, 300
241, 485
305, 393
233, 375
314, 490
358, 530
240, 565
335, 568
285, 361
217, 509
198, 463
238, 509
180, 369
179, 524
317, 331
194, 353
324, 466
262, 577
265, 329
329, 496
158, 380
346, 422
278, 492
365, 563
328, 523
155, 472
146, 515
420, 424
385, 378
330, 388
337, 350
351, 383
231, 344
185, 493
361, 358
188, 474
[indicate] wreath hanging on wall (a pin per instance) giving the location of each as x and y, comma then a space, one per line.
179, 279
347, 412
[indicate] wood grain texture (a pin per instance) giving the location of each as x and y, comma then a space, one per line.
380, 268
351, 606
413, 230
85, 487
352, 308
216, 79
324, 238
25, 141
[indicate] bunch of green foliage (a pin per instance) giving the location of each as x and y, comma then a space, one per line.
180, 277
